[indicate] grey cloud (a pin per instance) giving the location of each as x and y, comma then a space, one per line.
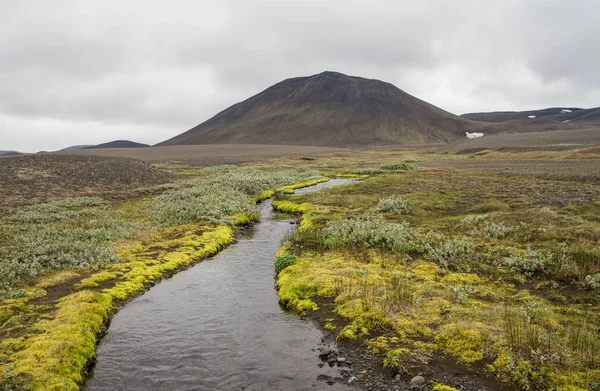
120, 68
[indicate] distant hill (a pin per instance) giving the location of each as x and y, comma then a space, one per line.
118, 144
329, 109
10, 153
557, 114
75, 148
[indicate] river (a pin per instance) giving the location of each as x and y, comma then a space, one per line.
216, 326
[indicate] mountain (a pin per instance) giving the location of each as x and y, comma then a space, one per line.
75, 148
555, 114
118, 144
329, 109
10, 153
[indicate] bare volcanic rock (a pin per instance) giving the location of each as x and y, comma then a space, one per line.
329, 109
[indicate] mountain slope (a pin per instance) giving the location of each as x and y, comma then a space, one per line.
10, 153
558, 114
329, 109
118, 144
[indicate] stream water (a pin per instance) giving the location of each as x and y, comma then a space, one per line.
216, 326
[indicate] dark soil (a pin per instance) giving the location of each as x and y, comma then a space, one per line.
368, 370
41, 177
584, 170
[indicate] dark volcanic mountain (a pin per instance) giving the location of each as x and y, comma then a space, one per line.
75, 148
118, 144
10, 153
329, 109
558, 114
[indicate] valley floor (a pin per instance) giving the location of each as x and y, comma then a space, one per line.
470, 270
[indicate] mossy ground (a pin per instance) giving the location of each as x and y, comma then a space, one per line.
49, 330
515, 300
521, 304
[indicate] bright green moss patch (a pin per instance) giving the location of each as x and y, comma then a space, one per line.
56, 358
291, 207
96, 279
266, 194
289, 189
443, 387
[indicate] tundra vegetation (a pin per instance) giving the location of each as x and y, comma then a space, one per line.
497, 269
500, 273
66, 265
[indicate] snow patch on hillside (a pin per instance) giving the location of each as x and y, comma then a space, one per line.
474, 135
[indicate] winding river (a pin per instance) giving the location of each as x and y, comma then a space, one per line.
216, 326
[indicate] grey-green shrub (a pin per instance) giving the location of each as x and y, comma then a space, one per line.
395, 205
449, 253
214, 199
367, 171
480, 226
369, 231
398, 166
531, 263
592, 281
59, 210
65, 234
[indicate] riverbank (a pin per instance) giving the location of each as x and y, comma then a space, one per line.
51, 324
471, 281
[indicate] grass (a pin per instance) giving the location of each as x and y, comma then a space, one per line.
499, 272
106, 254
485, 268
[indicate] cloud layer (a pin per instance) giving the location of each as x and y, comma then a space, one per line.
74, 72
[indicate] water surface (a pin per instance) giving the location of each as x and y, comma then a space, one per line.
216, 326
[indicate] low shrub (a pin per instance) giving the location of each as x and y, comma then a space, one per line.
284, 261
367, 171
369, 231
592, 281
216, 198
398, 166
454, 254
395, 205
530, 263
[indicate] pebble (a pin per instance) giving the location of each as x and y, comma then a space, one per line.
352, 379
417, 381
397, 378
341, 359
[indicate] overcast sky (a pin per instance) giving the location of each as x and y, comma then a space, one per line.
86, 72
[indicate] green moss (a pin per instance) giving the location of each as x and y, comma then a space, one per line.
56, 358
462, 341
289, 189
291, 207
443, 387
95, 280
244, 218
266, 194
348, 332
396, 360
